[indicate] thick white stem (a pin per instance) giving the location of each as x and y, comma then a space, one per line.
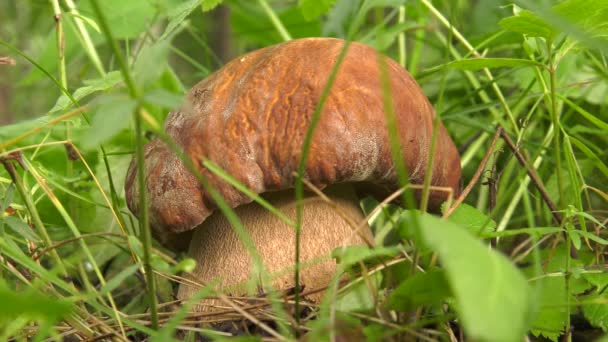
222, 257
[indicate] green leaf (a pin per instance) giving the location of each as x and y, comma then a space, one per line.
352, 255
597, 313
535, 232
474, 220
91, 86
359, 296
312, 9
597, 162
128, 19
21, 228
430, 287
482, 63
528, 23
163, 98
33, 304
136, 246
481, 280
118, 279
112, 115
151, 62
178, 14
367, 6
208, 5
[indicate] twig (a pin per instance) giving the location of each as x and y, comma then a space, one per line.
7, 61
537, 182
477, 175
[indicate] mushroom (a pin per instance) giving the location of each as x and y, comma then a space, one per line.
250, 118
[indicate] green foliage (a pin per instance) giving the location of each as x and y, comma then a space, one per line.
481, 280
501, 267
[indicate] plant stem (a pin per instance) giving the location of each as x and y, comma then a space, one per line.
89, 47
556, 123
275, 20
401, 38
144, 224
31, 207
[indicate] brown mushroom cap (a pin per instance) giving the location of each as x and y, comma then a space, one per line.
251, 116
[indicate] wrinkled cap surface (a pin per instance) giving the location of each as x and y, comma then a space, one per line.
251, 116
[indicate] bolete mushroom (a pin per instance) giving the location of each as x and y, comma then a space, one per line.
250, 118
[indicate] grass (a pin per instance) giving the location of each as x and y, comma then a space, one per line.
68, 243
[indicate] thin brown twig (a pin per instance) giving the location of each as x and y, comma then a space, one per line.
534, 177
477, 174
41, 253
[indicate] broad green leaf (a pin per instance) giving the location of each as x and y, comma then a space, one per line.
481, 281
112, 115
550, 292
32, 304
151, 62
208, 5
163, 98
128, 19
359, 296
430, 287
474, 220
528, 23
90, 87
597, 313
312, 9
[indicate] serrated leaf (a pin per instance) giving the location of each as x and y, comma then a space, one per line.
474, 220
91, 86
312, 9
597, 314
481, 280
112, 115
430, 287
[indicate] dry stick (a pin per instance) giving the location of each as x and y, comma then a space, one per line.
8, 61
539, 185
42, 252
477, 175
537, 182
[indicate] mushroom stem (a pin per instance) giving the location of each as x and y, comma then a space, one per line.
221, 257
